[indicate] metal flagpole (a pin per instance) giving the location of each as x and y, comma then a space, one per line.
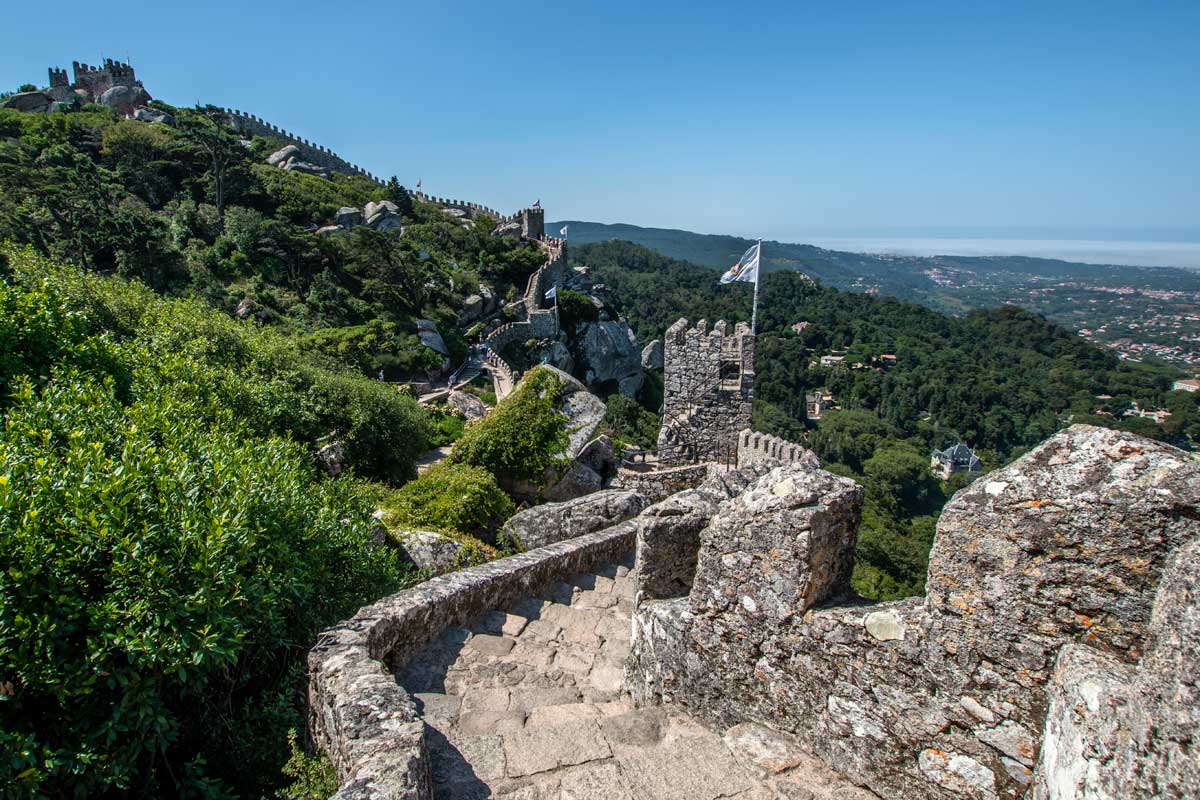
757, 276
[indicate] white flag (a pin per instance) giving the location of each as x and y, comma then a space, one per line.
746, 269
552, 292
563, 232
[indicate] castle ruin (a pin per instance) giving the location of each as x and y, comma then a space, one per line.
708, 392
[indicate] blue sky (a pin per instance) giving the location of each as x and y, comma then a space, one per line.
771, 120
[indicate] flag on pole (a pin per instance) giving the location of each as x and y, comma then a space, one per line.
563, 231
746, 269
552, 292
418, 183
537, 203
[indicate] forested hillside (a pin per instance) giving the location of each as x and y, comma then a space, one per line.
1146, 313
999, 380
177, 341
191, 211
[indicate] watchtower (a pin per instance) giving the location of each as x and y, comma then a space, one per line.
708, 391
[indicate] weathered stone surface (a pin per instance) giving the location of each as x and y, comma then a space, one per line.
609, 352
348, 217
652, 355
427, 332
153, 115
306, 167
429, 550
329, 230
946, 696
575, 481
599, 455
1065, 543
1117, 729
30, 102
784, 545
553, 522
470, 406
382, 215
283, 154
361, 716
332, 458
125, 98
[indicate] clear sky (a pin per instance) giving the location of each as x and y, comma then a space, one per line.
767, 119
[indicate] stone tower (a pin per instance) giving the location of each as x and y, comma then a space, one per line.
708, 391
533, 223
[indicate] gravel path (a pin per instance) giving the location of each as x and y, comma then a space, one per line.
526, 703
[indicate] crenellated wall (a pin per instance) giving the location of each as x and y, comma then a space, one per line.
310, 152
754, 446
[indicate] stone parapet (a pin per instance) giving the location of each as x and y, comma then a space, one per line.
946, 696
362, 718
754, 446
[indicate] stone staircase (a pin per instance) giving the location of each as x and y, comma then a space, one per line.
527, 702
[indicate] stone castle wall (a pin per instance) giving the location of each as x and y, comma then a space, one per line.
1056, 559
754, 446
317, 154
708, 387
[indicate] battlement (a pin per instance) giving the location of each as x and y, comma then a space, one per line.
59, 78
763, 447
251, 125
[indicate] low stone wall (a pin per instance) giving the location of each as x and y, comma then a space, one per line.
946, 696
662, 483
362, 718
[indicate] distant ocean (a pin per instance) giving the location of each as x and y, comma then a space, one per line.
1087, 251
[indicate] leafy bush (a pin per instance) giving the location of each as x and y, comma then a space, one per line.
448, 426
627, 421
163, 566
523, 436
574, 308
180, 348
450, 497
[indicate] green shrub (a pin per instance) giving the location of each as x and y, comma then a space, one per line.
181, 348
163, 568
627, 421
450, 497
448, 426
523, 435
313, 777
574, 308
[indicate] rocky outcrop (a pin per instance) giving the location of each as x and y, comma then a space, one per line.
332, 458
382, 215
430, 551
946, 696
153, 115
427, 332
347, 217
29, 102
283, 154
125, 98
554, 522
609, 352
652, 355
470, 406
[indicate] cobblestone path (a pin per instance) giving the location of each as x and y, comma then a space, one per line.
526, 703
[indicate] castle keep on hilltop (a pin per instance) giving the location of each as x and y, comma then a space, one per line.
708, 392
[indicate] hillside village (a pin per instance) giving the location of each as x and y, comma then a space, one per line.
409, 484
